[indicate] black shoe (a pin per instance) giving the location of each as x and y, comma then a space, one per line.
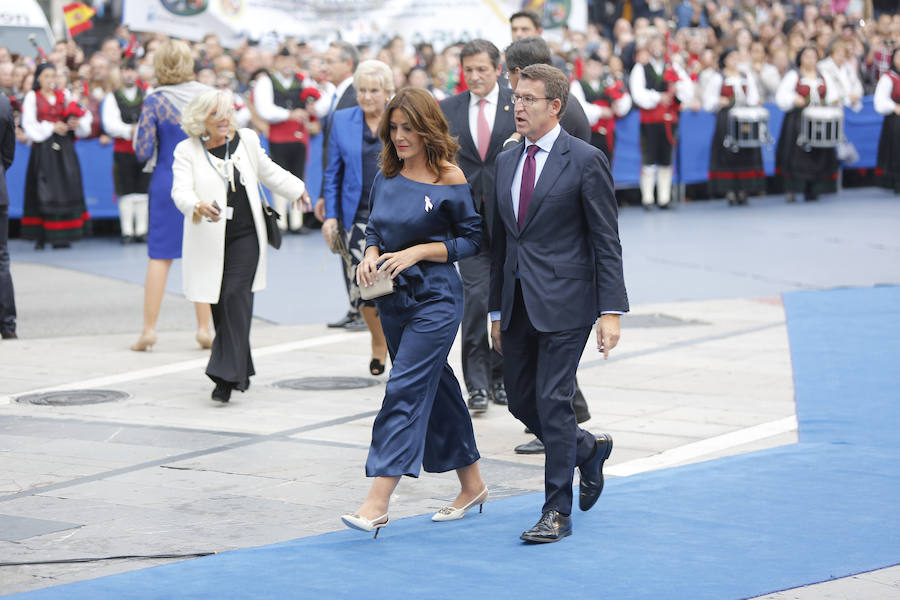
222, 393
126, 239
498, 394
9, 335
591, 484
478, 401
810, 197
665, 206
535, 446
552, 527
61, 245
376, 367
350, 316
358, 324
39, 245
141, 239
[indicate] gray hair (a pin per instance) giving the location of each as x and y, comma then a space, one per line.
194, 115
377, 71
348, 51
556, 84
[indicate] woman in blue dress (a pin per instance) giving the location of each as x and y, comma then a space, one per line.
158, 132
421, 221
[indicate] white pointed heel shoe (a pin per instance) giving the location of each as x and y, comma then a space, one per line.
354, 521
450, 513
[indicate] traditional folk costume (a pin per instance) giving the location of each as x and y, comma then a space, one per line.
275, 96
54, 209
120, 112
608, 92
806, 170
887, 98
659, 124
734, 172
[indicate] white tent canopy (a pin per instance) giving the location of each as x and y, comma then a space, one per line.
20, 19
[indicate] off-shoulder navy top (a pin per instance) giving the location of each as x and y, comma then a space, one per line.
406, 212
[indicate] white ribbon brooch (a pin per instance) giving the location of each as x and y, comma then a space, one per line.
428, 204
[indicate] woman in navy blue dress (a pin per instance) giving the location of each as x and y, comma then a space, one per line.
421, 221
158, 132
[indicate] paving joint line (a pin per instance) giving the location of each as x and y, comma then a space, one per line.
187, 455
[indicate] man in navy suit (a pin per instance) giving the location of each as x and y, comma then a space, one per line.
556, 267
481, 118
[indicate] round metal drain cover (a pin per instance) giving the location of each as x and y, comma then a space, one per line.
327, 383
73, 397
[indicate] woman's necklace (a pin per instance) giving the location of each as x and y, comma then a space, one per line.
227, 170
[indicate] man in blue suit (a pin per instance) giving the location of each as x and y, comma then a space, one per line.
556, 267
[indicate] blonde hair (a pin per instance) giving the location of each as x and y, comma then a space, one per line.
377, 71
173, 63
194, 115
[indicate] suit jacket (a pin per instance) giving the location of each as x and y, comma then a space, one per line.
480, 173
343, 182
347, 99
7, 145
567, 256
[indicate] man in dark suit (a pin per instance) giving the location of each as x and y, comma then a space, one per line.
520, 54
7, 153
341, 59
481, 118
556, 267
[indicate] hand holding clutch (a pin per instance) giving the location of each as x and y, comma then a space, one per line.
382, 286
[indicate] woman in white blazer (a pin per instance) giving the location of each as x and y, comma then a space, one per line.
216, 173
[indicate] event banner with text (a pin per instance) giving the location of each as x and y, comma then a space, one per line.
440, 22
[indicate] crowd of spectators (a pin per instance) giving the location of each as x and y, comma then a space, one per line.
854, 47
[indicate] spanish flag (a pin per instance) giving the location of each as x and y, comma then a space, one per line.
78, 17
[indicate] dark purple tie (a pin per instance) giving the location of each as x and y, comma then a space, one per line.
527, 184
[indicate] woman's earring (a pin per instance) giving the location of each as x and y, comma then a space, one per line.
205, 137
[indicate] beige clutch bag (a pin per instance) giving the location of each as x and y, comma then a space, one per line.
383, 286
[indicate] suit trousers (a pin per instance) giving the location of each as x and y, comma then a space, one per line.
229, 359
423, 421
7, 297
482, 365
539, 370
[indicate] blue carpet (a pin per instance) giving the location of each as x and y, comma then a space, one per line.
735, 527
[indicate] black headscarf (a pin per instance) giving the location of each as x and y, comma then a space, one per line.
35, 86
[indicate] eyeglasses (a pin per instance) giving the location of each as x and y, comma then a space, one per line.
526, 100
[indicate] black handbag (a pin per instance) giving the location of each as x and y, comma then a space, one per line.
273, 234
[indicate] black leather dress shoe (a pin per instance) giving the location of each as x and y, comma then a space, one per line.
350, 316
552, 527
498, 394
9, 335
591, 485
535, 446
478, 401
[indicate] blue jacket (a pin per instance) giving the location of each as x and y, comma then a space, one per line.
343, 175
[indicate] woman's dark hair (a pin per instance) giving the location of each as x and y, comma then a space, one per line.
427, 121
803, 50
724, 54
35, 86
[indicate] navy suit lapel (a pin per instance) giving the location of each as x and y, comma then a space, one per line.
556, 163
462, 116
504, 121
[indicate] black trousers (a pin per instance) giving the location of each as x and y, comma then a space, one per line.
539, 370
482, 365
7, 297
289, 156
656, 147
230, 360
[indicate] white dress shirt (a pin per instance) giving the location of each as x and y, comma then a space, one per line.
264, 98
324, 105
540, 159
39, 131
111, 116
490, 111
882, 101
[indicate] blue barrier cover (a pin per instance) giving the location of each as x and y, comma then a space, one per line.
691, 160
